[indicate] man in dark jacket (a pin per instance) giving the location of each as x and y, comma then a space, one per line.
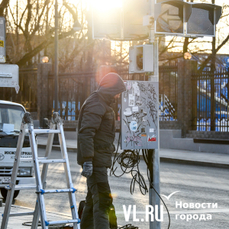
96, 133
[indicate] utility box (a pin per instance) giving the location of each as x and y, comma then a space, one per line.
2, 40
141, 58
9, 76
139, 115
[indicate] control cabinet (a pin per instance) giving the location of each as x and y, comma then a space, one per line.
139, 115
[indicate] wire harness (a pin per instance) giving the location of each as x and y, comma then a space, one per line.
128, 162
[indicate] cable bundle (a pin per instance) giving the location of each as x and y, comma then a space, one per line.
129, 163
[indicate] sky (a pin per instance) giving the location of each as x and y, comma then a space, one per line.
106, 4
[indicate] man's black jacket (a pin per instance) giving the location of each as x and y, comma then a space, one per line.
96, 123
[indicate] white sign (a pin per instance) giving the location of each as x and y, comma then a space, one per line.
9, 76
2, 40
8, 128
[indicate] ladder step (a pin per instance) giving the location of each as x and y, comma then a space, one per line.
24, 187
47, 223
44, 131
42, 191
21, 187
21, 213
26, 159
45, 160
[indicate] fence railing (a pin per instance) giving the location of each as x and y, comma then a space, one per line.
168, 93
211, 93
73, 90
212, 113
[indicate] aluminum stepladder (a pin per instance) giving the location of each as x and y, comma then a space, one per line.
56, 126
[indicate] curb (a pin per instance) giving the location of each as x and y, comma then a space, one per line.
190, 162
57, 147
162, 159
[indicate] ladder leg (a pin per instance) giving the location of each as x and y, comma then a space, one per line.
10, 193
71, 195
40, 198
43, 178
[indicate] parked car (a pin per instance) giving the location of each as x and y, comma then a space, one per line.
11, 115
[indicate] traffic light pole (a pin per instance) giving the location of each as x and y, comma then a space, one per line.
154, 199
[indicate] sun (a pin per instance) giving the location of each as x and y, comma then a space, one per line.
98, 5
104, 5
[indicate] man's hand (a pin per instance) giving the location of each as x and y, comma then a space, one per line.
87, 169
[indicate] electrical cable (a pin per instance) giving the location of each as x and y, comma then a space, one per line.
128, 226
129, 163
30, 224
144, 153
50, 227
137, 177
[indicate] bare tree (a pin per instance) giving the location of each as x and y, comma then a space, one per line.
35, 25
3, 5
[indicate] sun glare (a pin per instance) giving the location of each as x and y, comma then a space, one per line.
105, 5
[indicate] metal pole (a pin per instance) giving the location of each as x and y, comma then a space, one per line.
56, 56
56, 140
154, 199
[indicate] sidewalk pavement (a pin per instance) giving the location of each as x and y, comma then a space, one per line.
219, 160
166, 155
25, 221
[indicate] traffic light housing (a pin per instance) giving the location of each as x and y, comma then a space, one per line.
106, 24
170, 17
203, 19
141, 58
121, 23
133, 13
186, 18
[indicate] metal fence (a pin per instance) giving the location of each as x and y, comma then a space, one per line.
73, 90
211, 91
168, 93
212, 99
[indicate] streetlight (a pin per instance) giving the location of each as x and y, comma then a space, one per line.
76, 27
187, 56
45, 59
56, 56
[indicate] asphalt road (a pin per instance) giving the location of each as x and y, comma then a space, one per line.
200, 202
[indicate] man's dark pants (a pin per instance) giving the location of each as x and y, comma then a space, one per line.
98, 201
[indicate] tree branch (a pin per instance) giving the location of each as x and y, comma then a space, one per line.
3, 5
203, 65
41, 46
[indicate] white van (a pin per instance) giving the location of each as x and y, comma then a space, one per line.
11, 115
